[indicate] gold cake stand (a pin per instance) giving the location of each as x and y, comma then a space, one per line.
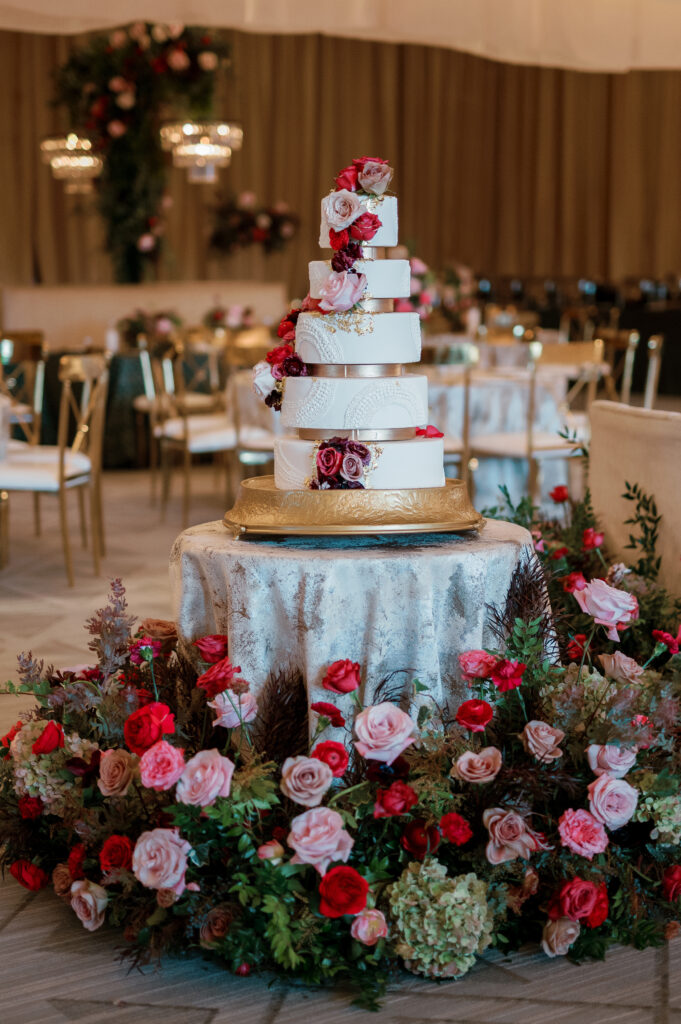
261, 508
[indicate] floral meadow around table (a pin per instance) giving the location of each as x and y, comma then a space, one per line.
176, 805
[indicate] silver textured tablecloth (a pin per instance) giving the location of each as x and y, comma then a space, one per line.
413, 602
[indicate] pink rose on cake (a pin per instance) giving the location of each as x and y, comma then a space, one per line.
341, 209
374, 175
341, 291
609, 607
264, 382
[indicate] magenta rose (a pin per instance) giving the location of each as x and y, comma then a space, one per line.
329, 461
341, 291
352, 468
161, 766
582, 833
476, 664
609, 607
318, 837
207, 776
612, 801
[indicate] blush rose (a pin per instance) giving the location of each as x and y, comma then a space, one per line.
559, 935
232, 709
369, 926
375, 176
383, 732
161, 766
89, 902
509, 836
482, 766
582, 833
206, 776
318, 838
159, 860
612, 801
305, 780
116, 771
609, 607
341, 208
619, 667
341, 291
541, 740
609, 759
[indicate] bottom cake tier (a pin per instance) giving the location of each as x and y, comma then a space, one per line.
389, 465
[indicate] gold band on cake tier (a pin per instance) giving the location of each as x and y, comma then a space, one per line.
261, 508
359, 434
376, 306
355, 369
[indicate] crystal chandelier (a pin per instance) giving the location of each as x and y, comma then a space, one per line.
72, 161
201, 146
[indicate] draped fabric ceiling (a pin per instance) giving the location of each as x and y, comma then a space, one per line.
587, 35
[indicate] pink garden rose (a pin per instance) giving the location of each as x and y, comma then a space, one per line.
482, 766
116, 770
559, 935
161, 766
341, 291
375, 177
609, 759
207, 775
383, 732
160, 859
305, 780
318, 837
341, 208
232, 709
608, 606
89, 901
476, 664
369, 926
582, 833
509, 836
612, 801
541, 740
272, 850
619, 667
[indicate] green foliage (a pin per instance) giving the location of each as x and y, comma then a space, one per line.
647, 519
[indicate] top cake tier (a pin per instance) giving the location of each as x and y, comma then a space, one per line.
384, 207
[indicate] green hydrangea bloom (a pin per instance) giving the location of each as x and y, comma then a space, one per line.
439, 923
665, 813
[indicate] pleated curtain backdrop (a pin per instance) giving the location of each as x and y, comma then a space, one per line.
508, 169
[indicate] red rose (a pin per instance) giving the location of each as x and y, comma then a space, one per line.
575, 648
573, 581
591, 540
455, 829
420, 839
559, 494
144, 696
212, 648
329, 711
429, 431
342, 891
29, 875
259, 234
75, 861
559, 553
365, 227
286, 330
51, 738
217, 678
601, 907
147, 726
360, 161
575, 899
329, 461
116, 854
399, 798
334, 754
671, 883
474, 715
279, 354
9, 736
339, 239
342, 676
507, 675
30, 807
347, 179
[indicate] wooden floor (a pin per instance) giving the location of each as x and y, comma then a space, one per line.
52, 971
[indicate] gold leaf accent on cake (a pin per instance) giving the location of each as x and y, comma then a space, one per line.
355, 321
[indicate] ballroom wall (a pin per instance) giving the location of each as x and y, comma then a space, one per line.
509, 169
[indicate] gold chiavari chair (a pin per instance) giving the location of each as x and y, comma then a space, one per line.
75, 465
578, 322
654, 346
22, 379
245, 348
620, 348
457, 447
179, 431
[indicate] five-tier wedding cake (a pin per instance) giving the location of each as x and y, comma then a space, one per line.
339, 375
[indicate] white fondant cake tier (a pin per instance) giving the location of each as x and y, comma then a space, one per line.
386, 279
385, 208
355, 403
396, 464
358, 337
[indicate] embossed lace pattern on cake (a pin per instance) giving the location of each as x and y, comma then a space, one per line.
361, 409
304, 411
317, 336
288, 477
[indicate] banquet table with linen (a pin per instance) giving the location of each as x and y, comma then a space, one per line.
411, 602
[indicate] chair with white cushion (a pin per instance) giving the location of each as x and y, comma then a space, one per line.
58, 469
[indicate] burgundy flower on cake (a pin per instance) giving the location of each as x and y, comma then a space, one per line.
339, 240
286, 330
352, 467
293, 366
341, 464
399, 798
345, 258
474, 715
329, 461
342, 676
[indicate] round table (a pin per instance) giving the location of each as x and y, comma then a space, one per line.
409, 603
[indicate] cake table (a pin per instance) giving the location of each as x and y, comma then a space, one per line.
413, 602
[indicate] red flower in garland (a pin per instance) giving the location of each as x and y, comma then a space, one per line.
334, 754
507, 675
30, 807
29, 875
559, 494
455, 829
342, 891
420, 839
573, 581
398, 799
147, 726
116, 854
575, 648
672, 643
591, 540
217, 678
51, 738
329, 711
212, 648
474, 715
559, 553
75, 861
